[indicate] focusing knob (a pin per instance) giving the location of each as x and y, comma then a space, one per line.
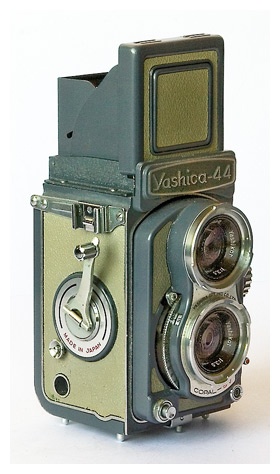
247, 281
168, 320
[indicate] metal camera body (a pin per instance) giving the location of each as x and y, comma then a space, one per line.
141, 260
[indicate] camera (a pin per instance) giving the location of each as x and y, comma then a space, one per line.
141, 261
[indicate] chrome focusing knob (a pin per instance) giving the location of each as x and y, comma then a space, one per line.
164, 411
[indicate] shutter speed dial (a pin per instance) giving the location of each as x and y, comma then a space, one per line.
84, 311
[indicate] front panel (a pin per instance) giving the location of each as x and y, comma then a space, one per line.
190, 328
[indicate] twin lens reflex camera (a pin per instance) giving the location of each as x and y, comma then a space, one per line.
141, 260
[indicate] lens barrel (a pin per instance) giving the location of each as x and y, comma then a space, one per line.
215, 340
218, 247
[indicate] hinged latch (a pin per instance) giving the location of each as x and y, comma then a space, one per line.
92, 217
97, 219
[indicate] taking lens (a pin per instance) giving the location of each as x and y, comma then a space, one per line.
216, 341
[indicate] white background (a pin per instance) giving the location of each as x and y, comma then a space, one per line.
69, 40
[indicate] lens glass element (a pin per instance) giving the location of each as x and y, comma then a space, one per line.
216, 341
218, 248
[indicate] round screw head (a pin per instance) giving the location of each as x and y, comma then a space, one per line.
236, 393
56, 349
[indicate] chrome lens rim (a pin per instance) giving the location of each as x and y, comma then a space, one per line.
235, 238
222, 370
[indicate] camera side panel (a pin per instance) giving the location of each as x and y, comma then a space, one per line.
75, 385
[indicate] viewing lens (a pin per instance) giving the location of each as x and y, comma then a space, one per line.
216, 341
218, 249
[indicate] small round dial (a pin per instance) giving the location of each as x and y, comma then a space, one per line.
96, 341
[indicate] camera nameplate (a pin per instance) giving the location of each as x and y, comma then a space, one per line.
185, 176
